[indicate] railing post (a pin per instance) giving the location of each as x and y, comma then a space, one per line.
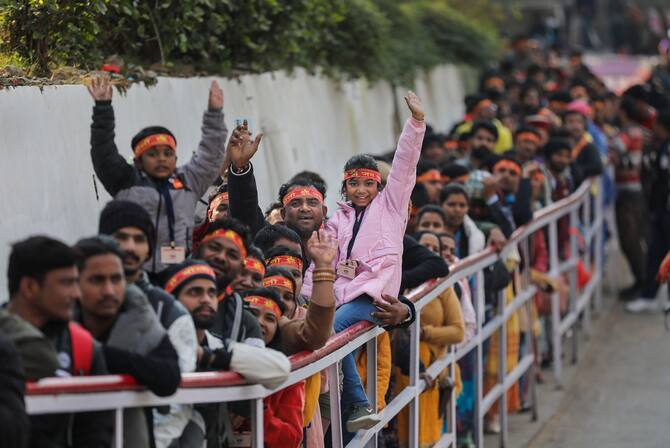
452, 400
480, 309
572, 279
532, 372
118, 428
415, 333
589, 223
598, 262
371, 363
555, 304
502, 369
335, 415
257, 436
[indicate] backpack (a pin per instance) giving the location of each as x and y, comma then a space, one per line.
81, 342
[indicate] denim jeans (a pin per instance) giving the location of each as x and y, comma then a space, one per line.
345, 316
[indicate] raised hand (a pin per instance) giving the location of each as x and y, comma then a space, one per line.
215, 96
415, 105
241, 148
100, 88
322, 249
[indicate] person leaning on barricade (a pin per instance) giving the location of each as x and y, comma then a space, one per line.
193, 283
168, 193
42, 278
120, 317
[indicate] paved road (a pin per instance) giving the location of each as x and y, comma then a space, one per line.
619, 394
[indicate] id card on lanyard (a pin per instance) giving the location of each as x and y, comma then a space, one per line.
347, 268
171, 254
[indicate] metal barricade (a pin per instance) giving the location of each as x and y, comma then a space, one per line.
584, 209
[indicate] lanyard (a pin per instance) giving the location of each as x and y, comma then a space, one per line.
164, 190
357, 226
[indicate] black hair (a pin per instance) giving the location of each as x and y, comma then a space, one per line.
425, 165
151, 130
452, 189
97, 245
223, 188
256, 253
527, 128
419, 196
417, 236
35, 257
311, 176
637, 92
487, 126
279, 251
272, 207
281, 272
454, 170
300, 182
561, 96
429, 140
270, 234
229, 224
629, 107
360, 161
431, 208
554, 145
532, 70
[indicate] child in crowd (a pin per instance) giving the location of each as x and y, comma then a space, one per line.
168, 193
369, 229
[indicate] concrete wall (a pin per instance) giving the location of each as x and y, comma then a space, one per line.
309, 123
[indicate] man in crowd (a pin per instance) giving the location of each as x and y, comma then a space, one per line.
586, 161
121, 318
43, 290
130, 225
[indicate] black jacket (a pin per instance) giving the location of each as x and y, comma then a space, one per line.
587, 164
522, 212
249, 330
419, 264
243, 197
14, 424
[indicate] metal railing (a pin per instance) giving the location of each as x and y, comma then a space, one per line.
583, 208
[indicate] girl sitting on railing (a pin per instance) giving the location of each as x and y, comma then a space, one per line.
369, 228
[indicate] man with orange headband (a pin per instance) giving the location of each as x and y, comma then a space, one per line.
428, 174
481, 108
168, 193
510, 206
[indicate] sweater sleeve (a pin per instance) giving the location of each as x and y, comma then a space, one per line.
283, 420
420, 264
110, 166
453, 330
522, 210
243, 197
205, 165
402, 177
310, 333
259, 365
158, 370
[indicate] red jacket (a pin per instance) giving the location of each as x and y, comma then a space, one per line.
283, 420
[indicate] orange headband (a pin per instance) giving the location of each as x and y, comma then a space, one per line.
254, 265
277, 281
538, 176
429, 176
229, 235
530, 136
262, 302
285, 260
308, 192
481, 105
495, 82
364, 173
214, 205
181, 276
509, 165
463, 179
154, 140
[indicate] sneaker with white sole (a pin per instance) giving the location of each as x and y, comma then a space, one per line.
643, 305
361, 417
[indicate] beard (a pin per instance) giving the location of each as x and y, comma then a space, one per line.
481, 153
202, 322
304, 234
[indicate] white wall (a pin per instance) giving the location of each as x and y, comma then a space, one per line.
46, 184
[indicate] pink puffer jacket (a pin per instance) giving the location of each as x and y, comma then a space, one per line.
378, 246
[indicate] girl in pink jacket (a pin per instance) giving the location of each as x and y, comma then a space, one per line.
369, 228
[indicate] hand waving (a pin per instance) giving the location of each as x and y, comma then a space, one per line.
100, 88
415, 105
322, 249
215, 96
241, 148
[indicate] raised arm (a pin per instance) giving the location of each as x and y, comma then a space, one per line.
403, 170
204, 166
110, 166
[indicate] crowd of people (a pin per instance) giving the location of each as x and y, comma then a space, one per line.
190, 273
